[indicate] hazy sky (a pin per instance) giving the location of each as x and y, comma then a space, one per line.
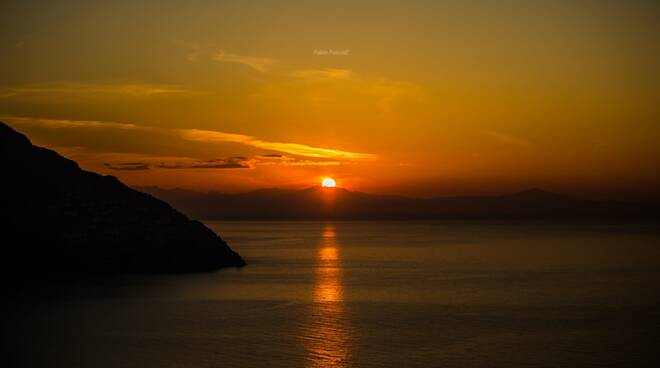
417, 97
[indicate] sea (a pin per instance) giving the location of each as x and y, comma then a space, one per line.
367, 294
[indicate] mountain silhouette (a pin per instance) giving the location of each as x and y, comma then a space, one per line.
56, 217
317, 203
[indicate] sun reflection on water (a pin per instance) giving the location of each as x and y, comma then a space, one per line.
326, 334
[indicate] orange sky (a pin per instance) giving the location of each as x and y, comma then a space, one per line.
421, 98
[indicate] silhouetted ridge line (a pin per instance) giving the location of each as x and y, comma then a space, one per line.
59, 218
318, 203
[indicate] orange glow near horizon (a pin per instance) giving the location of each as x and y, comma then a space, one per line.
470, 105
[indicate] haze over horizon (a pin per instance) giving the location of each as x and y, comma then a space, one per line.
422, 99
320, 188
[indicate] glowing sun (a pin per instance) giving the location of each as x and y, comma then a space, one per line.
328, 183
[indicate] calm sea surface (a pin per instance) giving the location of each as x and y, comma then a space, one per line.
367, 294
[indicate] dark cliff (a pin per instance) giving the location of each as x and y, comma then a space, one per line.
56, 217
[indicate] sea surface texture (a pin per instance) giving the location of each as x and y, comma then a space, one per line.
366, 294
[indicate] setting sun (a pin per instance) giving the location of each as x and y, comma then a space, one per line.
328, 183
497, 198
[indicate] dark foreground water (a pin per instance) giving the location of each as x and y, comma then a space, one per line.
366, 294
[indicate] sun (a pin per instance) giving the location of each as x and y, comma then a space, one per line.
328, 183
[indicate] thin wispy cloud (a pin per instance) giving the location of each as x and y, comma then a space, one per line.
260, 64
291, 148
277, 159
117, 161
388, 93
122, 161
210, 136
237, 162
90, 90
194, 50
385, 92
63, 124
128, 166
324, 74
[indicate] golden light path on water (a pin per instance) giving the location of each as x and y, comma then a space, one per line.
326, 335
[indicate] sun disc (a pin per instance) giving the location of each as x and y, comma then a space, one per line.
328, 183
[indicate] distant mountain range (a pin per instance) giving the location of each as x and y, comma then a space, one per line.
58, 218
317, 203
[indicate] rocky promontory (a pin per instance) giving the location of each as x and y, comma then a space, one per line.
57, 218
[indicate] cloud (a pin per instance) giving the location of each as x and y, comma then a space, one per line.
58, 124
385, 92
116, 160
390, 92
238, 162
209, 136
138, 162
129, 166
291, 148
133, 90
292, 161
194, 49
259, 64
324, 74
165, 162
